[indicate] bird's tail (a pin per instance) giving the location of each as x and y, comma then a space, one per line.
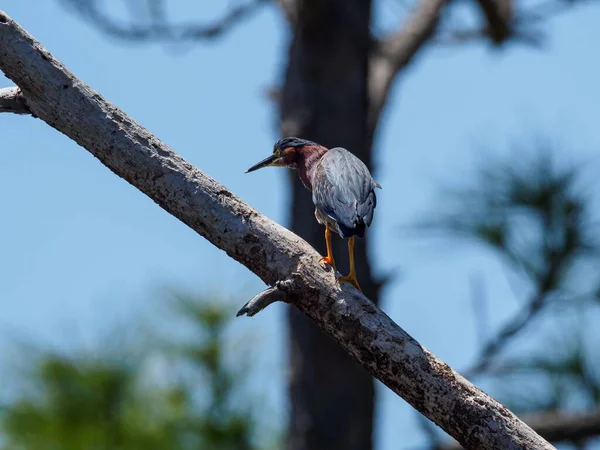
358, 230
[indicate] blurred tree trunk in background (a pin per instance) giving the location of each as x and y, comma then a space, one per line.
325, 99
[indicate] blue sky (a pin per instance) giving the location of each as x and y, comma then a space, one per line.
82, 250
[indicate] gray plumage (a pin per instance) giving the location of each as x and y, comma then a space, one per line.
343, 192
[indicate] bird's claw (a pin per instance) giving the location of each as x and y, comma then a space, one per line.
328, 260
350, 279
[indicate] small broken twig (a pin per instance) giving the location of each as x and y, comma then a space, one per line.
12, 101
264, 299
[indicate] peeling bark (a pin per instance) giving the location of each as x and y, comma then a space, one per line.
272, 252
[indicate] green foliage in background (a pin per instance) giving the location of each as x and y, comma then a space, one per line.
113, 401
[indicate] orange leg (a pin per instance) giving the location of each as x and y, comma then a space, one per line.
329, 258
351, 277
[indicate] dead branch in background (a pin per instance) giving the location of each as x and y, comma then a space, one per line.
504, 22
499, 17
395, 51
513, 327
557, 427
157, 26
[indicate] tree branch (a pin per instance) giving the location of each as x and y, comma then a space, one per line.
394, 52
558, 427
503, 24
269, 250
159, 27
499, 18
510, 330
518, 323
12, 101
264, 299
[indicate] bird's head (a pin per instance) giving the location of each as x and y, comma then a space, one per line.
286, 153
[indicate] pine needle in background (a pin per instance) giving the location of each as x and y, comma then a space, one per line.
537, 215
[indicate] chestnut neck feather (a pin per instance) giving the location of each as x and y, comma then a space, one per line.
308, 156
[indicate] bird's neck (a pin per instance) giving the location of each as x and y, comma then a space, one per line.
307, 163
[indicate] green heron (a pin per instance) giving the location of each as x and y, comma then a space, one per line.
342, 187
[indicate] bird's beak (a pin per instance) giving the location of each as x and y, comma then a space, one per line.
264, 163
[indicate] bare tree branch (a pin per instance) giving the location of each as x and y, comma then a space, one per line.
558, 427
12, 101
393, 52
523, 318
503, 337
272, 252
504, 24
159, 28
499, 18
264, 299
565, 427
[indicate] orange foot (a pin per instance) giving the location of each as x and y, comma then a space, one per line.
350, 279
328, 260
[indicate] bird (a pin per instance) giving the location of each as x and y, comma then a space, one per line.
343, 190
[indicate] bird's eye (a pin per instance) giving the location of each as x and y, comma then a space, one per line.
277, 153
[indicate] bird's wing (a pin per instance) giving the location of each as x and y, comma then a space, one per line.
344, 189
